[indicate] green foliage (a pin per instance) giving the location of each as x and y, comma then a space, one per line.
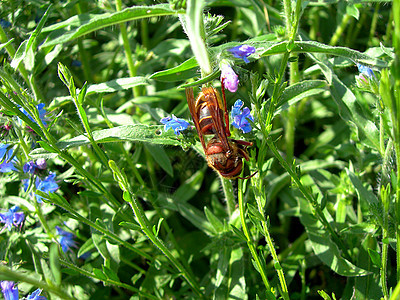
315, 213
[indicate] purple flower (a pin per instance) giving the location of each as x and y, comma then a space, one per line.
12, 217
36, 295
66, 239
30, 167
242, 51
47, 185
364, 70
241, 119
229, 78
175, 123
41, 163
42, 113
10, 291
6, 159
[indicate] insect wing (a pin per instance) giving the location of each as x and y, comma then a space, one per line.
191, 103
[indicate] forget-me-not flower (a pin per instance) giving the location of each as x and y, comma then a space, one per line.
175, 123
229, 78
242, 51
13, 217
6, 153
66, 239
241, 118
9, 289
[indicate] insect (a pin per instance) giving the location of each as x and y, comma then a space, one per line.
210, 117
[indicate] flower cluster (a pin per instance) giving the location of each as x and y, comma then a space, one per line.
229, 79
10, 292
33, 167
174, 123
241, 118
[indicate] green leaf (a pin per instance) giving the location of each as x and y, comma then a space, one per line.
298, 91
238, 233
323, 246
86, 247
190, 187
315, 47
115, 85
215, 222
161, 158
375, 257
132, 133
92, 23
54, 263
255, 213
27, 44
131, 226
99, 274
223, 263
364, 194
184, 71
110, 274
237, 283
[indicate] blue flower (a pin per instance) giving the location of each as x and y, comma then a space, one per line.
10, 291
175, 123
12, 217
47, 185
6, 153
241, 119
4, 23
66, 239
364, 70
242, 51
229, 78
42, 113
36, 295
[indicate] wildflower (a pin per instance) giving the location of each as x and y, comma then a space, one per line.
66, 239
76, 63
10, 291
36, 295
367, 80
175, 123
4, 23
229, 78
47, 185
42, 113
12, 217
242, 51
364, 70
241, 119
41, 164
30, 167
6, 159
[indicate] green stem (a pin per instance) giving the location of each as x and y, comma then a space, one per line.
372, 28
277, 265
132, 67
311, 200
145, 226
250, 242
12, 275
229, 195
339, 30
42, 219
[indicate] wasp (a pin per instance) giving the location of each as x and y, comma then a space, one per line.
210, 117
